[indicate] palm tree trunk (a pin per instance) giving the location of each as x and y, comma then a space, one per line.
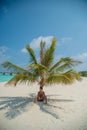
42, 82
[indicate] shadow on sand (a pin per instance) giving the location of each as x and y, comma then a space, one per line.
14, 106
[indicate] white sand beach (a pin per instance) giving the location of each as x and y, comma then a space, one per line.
66, 108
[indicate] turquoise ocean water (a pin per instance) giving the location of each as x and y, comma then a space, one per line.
4, 78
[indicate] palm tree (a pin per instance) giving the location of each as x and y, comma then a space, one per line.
45, 71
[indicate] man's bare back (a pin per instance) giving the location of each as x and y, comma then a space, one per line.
41, 96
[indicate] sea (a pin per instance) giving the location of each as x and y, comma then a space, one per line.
5, 77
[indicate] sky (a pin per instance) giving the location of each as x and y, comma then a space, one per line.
25, 22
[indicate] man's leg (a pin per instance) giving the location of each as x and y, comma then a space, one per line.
45, 99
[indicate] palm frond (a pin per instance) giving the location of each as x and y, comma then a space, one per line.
31, 54
64, 63
74, 75
42, 52
58, 78
65, 78
38, 66
10, 66
22, 78
49, 53
15, 79
38, 69
30, 78
63, 67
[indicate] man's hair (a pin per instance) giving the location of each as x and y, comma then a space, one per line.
41, 87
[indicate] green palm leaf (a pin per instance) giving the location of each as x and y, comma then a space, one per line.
22, 78
65, 78
38, 69
58, 78
31, 54
38, 66
13, 67
42, 52
49, 53
64, 63
73, 75
16, 79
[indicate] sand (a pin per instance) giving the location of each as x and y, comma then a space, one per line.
66, 108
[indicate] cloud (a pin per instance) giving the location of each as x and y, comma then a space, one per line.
83, 55
64, 41
35, 43
24, 50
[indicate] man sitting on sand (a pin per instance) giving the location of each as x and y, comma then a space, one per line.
41, 96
